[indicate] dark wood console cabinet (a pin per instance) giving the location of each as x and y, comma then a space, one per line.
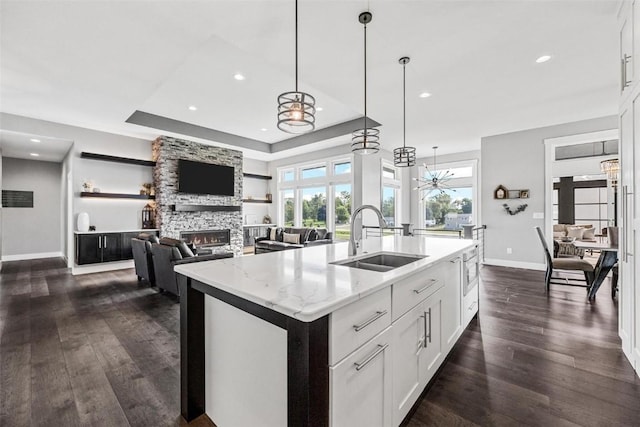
93, 248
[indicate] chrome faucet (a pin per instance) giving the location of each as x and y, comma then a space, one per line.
353, 247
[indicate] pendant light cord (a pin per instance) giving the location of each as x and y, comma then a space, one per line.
296, 45
404, 105
365, 85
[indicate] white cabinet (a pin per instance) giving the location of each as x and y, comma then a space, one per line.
629, 183
451, 316
360, 386
417, 351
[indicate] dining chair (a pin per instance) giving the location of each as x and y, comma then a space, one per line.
568, 264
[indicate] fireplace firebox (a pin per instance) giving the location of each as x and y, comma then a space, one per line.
207, 238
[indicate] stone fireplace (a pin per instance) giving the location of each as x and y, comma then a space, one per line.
207, 238
188, 216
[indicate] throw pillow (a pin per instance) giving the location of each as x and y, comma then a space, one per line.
558, 234
313, 235
272, 233
589, 234
291, 238
575, 232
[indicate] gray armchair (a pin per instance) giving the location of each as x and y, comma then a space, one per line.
170, 252
142, 259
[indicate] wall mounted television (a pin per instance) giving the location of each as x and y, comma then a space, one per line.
205, 178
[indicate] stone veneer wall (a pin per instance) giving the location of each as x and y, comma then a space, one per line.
166, 152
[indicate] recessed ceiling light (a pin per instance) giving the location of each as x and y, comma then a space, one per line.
238, 76
543, 58
425, 95
34, 140
34, 154
319, 109
193, 107
264, 129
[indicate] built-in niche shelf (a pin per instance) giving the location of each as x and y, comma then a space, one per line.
256, 176
256, 201
205, 208
116, 159
117, 196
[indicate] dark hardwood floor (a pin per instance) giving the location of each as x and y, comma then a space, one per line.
103, 349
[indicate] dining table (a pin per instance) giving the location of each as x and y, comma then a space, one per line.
607, 259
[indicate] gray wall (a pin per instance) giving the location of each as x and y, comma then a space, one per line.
32, 230
516, 160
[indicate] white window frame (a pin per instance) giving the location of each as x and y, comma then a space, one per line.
396, 184
471, 181
328, 182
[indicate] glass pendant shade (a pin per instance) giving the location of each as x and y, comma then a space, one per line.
612, 168
296, 110
365, 140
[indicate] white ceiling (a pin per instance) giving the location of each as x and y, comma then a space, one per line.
24, 146
94, 63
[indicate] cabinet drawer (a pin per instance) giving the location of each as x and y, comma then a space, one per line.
414, 289
469, 306
357, 323
361, 386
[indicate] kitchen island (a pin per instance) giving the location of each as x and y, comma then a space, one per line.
288, 338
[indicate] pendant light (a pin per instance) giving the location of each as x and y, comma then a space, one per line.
435, 180
404, 156
296, 110
365, 140
612, 168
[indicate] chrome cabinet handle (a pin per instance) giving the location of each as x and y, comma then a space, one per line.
424, 341
369, 321
625, 62
99, 242
622, 75
473, 306
365, 362
453, 261
427, 286
105, 242
428, 336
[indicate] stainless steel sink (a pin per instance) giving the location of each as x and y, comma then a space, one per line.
380, 261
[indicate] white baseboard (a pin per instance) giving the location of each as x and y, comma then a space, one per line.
22, 257
100, 267
515, 264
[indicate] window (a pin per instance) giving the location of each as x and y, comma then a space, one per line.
388, 172
340, 168
317, 194
389, 205
314, 207
287, 198
287, 175
342, 211
591, 207
449, 210
315, 172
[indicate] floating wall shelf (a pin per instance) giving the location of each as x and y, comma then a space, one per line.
256, 176
256, 201
203, 208
117, 196
116, 159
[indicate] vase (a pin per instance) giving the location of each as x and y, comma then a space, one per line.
83, 222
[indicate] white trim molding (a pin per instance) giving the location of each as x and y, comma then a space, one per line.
515, 264
22, 257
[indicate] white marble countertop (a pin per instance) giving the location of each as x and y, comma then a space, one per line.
301, 283
141, 230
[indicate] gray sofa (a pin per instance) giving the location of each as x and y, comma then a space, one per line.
277, 240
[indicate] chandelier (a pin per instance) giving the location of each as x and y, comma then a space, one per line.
296, 110
611, 167
365, 140
435, 180
404, 156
